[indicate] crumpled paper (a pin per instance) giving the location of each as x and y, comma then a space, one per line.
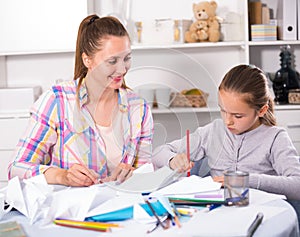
42, 203
28, 195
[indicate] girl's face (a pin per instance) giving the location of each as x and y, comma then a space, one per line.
237, 115
110, 64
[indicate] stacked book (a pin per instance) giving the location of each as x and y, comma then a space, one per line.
263, 32
262, 25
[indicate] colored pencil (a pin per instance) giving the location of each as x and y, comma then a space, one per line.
186, 211
87, 225
155, 215
176, 215
203, 196
188, 149
196, 202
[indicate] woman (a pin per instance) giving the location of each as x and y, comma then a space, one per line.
93, 128
246, 140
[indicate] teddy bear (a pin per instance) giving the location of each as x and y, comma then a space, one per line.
204, 11
198, 31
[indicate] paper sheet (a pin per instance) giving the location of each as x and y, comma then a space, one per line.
190, 185
147, 182
116, 203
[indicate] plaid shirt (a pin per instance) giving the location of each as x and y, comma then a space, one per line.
60, 134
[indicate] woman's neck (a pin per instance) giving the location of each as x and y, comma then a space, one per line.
98, 93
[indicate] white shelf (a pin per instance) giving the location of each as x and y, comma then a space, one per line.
272, 43
188, 45
15, 114
18, 53
168, 46
288, 107
212, 109
137, 47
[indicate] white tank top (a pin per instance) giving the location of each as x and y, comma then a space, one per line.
113, 140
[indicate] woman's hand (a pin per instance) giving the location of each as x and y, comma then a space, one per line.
120, 174
77, 176
181, 163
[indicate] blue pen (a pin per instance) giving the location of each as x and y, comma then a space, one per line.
243, 195
213, 206
233, 200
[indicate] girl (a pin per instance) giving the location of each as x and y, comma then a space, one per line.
93, 127
246, 140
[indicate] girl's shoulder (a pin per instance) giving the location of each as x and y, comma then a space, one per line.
215, 127
272, 129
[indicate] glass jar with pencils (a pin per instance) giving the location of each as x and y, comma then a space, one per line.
236, 188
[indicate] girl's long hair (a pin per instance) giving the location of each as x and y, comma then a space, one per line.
252, 83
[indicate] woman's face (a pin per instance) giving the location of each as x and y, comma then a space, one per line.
110, 64
237, 115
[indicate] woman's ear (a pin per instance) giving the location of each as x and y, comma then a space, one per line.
86, 60
263, 110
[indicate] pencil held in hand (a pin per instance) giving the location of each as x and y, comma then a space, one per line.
188, 149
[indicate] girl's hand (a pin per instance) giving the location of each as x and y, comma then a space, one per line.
219, 179
181, 163
121, 173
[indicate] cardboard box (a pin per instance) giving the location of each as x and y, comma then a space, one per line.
14, 99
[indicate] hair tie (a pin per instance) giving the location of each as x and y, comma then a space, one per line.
93, 19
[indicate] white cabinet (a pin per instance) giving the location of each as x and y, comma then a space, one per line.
289, 118
11, 126
11, 129
4, 160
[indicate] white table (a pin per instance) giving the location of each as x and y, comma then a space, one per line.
284, 224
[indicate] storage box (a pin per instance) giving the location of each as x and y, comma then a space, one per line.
180, 27
161, 31
180, 100
294, 96
14, 99
287, 19
232, 27
263, 32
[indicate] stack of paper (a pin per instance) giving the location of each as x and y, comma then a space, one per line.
147, 182
263, 32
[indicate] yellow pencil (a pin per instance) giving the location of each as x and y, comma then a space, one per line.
186, 211
99, 226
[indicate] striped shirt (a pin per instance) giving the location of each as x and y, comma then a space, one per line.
61, 133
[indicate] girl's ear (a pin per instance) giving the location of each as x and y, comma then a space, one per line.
263, 110
86, 60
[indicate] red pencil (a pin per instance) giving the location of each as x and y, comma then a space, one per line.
188, 149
